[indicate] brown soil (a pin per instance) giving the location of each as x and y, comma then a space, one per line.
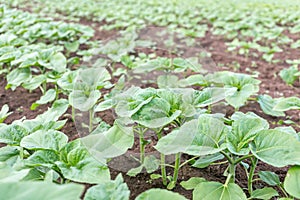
20, 101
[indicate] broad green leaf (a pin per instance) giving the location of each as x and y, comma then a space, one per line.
12, 134
289, 103
192, 183
218, 191
288, 74
78, 165
9, 154
240, 97
51, 139
40, 190
84, 99
267, 104
59, 107
159, 194
264, 193
270, 178
47, 97
269, 145
211, 95
4, 112
72, 46
205, 161
93, 77
151, 164
111, 143
196, 79
202, 136
34, 82
58, 62
46, 158
104, 105
66, 82
17, 76
155, 114
135, 171
291, 181
133, 100
112, 190
8, 174
167, 81
243, 131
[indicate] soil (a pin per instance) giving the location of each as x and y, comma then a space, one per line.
20, 100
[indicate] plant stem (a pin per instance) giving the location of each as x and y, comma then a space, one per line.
162, 163
91, 120
142, 147
283, 191
230, 160
73, 114
44, 87
251, 174
242, 158
232, 173
177, 166
187, 161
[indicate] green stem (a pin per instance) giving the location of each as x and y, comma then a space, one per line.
230, 160
176, 167
73, 114
232, 173
187, 161
44, 87
251, 174
283, 191
142, 148
242, 158
21, 153
91, 113
162, 163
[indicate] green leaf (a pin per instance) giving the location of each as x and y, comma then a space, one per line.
151, 163
264, 193
112, 190
78, 165
16, 77
4, 112
159, 194
192, 183
288, 74
84, 99
270, 178
58, 62
218, 191
59, 107
34, 82
202, 136
72, 46
40, 190
269, 145
111, 143
289, 103
47, 97
205, 161
243, 131
167, 81
9, 154
211, 95
291, 181
267, 104
8, 174
51, 139
155, 114
46, 158
135, 171
12, 134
